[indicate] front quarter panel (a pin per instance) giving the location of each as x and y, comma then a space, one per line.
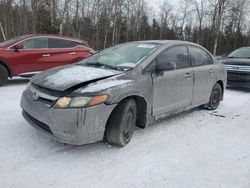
120, 87
221, 74
131, 84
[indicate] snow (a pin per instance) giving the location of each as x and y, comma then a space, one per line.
103, 85
73, 74
198, 148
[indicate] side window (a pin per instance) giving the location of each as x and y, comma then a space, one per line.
36, 43
178, 55
61, 43
199, 56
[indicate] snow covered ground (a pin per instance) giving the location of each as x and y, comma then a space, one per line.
198, 148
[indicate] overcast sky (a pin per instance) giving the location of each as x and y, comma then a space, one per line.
154, 5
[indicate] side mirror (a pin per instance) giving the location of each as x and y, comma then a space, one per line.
18, 47
161, 67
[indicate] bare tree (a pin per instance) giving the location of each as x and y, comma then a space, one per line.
165, 15
2, 31
184, 12
219, 25
219, 10
200, 9
63, 16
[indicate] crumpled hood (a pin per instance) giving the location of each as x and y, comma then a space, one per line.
236, 61
66, 77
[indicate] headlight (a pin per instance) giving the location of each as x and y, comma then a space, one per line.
78, 102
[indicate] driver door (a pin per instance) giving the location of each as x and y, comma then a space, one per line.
31, 58
173, 89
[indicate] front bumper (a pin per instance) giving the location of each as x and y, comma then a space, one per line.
238, 79
72, 126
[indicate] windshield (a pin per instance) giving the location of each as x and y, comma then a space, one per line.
240, 53
10, 40
124, 56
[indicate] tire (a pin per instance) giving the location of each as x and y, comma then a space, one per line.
3, 75
121, 123
215, 97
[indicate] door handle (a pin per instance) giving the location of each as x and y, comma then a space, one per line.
72, 53
188, 75
211, 71
46, 55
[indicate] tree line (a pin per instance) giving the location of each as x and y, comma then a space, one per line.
218, 25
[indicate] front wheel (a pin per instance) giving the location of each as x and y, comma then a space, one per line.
215, 97
121, 123
3, 75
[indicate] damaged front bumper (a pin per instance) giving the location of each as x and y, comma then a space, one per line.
72, 126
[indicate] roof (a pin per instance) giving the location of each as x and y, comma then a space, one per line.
245, 47
50, 35
170, 42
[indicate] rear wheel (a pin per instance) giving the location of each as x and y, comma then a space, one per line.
121, 123
3, 75
215, 97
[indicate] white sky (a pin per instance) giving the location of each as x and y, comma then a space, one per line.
154, 5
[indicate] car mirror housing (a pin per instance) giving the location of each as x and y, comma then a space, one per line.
162, 67
18, 47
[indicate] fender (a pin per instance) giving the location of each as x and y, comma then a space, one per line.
122, 96
145, 114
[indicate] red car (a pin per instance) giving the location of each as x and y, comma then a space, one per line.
27, 55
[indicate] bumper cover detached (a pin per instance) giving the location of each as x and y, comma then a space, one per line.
72, 126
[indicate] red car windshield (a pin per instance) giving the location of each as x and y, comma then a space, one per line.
11, 40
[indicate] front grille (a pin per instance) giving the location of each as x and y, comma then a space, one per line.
43, 97
238, 68
36, 122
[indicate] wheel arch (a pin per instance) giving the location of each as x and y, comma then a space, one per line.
7, 68
222, 88
141, 104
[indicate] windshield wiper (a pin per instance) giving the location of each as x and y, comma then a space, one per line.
102, 64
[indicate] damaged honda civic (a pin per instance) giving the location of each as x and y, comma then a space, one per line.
107, 95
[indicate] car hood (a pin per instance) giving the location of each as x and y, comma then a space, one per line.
66, 77
236, 61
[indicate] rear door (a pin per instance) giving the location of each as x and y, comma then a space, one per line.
173, 89
66, 52
205, 74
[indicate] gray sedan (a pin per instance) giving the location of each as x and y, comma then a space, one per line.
128, 85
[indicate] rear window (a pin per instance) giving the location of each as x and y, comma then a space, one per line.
61, 43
